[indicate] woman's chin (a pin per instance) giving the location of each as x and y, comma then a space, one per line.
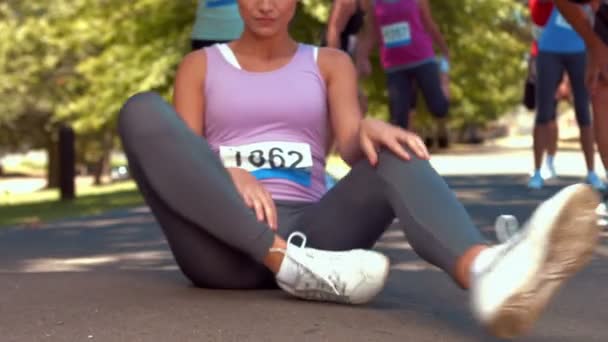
265, 32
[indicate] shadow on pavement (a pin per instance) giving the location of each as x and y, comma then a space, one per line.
418, 297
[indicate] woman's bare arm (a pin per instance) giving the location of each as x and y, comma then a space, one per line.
188, 91
345, 113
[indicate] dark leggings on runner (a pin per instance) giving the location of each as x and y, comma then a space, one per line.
549, 72
218, 242
401, 92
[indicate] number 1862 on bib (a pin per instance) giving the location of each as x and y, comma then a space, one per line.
267, 155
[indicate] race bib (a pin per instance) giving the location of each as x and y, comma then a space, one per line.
562, 22
397, 34
271, 159
219, 3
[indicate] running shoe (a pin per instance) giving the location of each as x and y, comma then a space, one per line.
594, 180
348, 277
536, 182
519, 277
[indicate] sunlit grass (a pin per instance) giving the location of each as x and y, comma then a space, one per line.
44, 206
24, 169
336, 166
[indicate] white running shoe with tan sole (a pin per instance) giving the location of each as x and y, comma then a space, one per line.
518, 278
349, 277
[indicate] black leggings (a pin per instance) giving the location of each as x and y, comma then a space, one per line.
402, 94
218, 242
550, 69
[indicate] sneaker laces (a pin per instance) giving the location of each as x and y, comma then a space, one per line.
325, 279
506, 227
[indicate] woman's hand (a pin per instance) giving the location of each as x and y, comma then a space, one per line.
255, 195
374, 134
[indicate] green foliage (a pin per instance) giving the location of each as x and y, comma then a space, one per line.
136, 46
30, 65
487, 43
79, 60
487, 47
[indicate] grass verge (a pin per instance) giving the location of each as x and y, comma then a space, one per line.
44, 206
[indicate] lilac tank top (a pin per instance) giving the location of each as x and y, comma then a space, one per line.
273, 124
403, 37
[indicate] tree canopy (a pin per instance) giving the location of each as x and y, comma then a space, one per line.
77, 61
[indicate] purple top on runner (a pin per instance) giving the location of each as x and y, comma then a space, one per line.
403, 37
272, 110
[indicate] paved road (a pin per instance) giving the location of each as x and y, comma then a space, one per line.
111, 278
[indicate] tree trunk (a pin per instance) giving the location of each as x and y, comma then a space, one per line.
52, 166
102, 166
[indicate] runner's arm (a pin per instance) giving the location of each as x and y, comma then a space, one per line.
579, 20
188, 94
367, 38
432, 28
341, 11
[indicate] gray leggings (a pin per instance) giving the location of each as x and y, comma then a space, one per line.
549, 70
401, 92
218, 242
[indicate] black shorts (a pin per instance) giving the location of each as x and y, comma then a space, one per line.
550, 73
529, 99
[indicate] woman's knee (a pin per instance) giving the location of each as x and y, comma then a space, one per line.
388, 159
139, 109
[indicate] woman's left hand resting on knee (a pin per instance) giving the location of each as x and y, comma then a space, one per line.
375, 134
357, 137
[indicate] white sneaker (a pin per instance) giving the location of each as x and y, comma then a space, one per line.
594, 180
516, 280
350, 277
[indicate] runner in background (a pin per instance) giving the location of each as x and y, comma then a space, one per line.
217, 21
561, 50
404, 31
595, 36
